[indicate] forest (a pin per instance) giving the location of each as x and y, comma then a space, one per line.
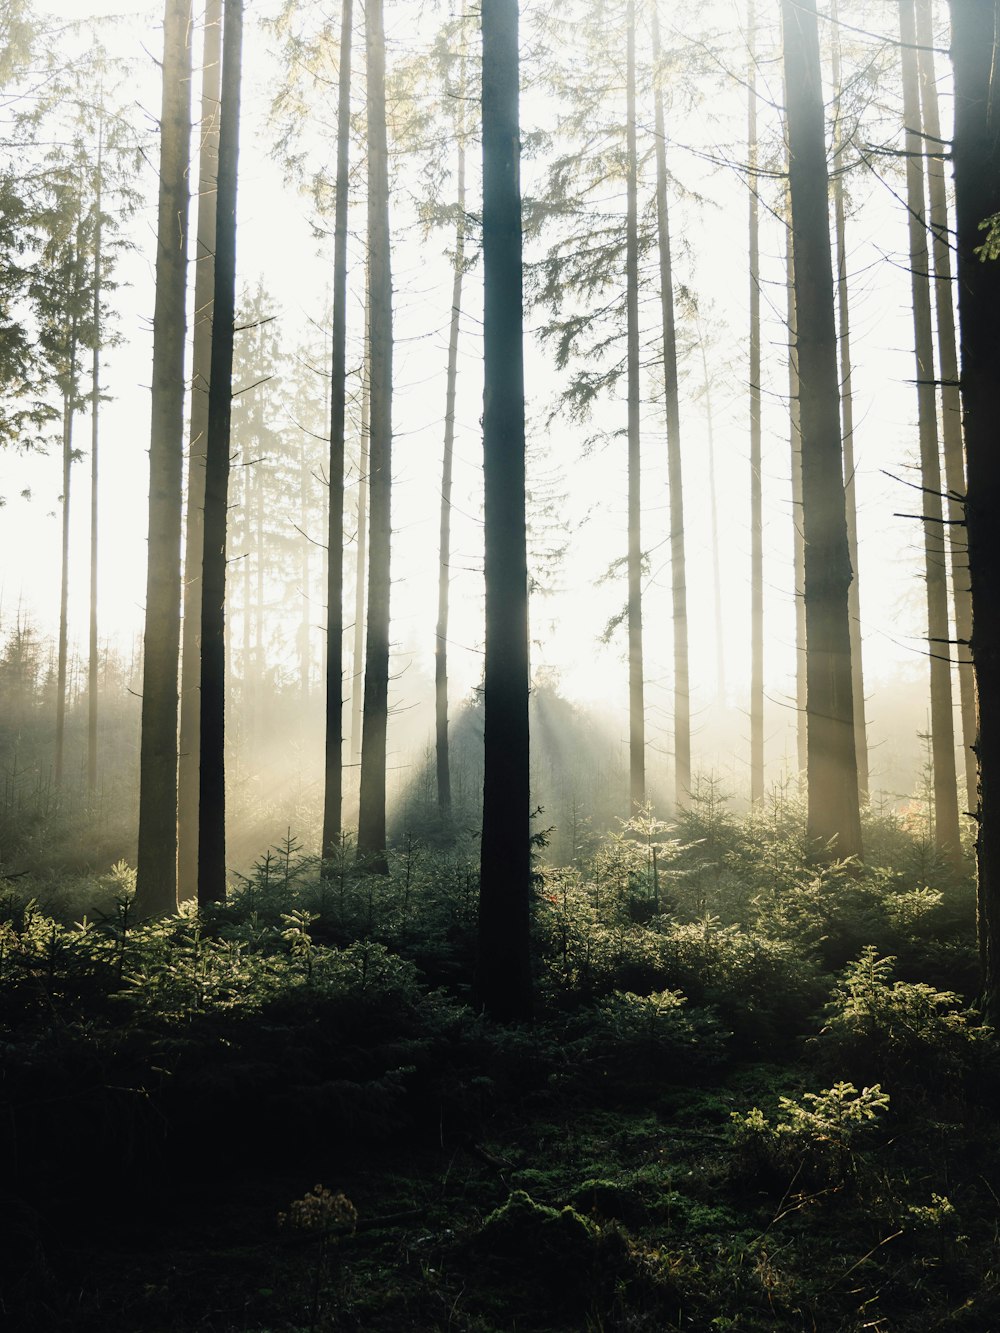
499, 640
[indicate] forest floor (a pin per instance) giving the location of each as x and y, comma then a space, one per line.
284, 1115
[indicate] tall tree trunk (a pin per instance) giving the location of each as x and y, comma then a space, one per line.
67, 471
212, 788
847, 421
189, 760
798, 540
371, 814
361, 573
503, 980
636, 700
713, 500
95, 403
334, 748
954, 460
756, 478
305, 573
444, 565
834, 816
975, 26
156, 873
946, 827
678, 579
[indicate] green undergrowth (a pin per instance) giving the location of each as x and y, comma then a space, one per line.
757, 1095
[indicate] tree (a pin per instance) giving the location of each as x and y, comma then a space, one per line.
756, 487
678, 576
95, 405
334, 754
975, 26
834, 816
951, 418
847, 412
371, 815
444, 547
212, 786
156, 871
636, 702
189, 761
503, 982
946, 828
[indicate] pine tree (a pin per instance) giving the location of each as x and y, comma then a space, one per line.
156, 871
503, 982
834, 819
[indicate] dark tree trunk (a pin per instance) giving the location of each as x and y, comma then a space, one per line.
357, 658
946, 828
954, 460
189, 760
756, 485
371, 814
444, 566
636, 701
212, 788
678, 574
334, 749
156, 873
834, 818
95, 404
503, 981
798, 542
847, 424
974, 45
67, 473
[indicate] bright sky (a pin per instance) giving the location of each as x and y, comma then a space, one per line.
275, 240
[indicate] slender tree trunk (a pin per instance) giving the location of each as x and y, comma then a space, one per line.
798, 540
95, 402
636, 701
954, 460
212, 788
847, 422
189, 761
834, 817
713, 497
357, 659
503, 981
156, 874
371, 814
305, 574
946, 827
975, 27
334, 750
444, 566
67, 462
682, 687
756, 483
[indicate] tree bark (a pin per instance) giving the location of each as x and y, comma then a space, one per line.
357, 658
678, 574
503, 982
946, 828
847, 422
212, 788
444, 566
951, 422
189, 761
834, 817
156, 872
636, 700
95, 403
67, 473
976, 154
334, 749
371, 814
798, 540
756, 486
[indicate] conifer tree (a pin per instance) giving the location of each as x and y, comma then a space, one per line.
156, 871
